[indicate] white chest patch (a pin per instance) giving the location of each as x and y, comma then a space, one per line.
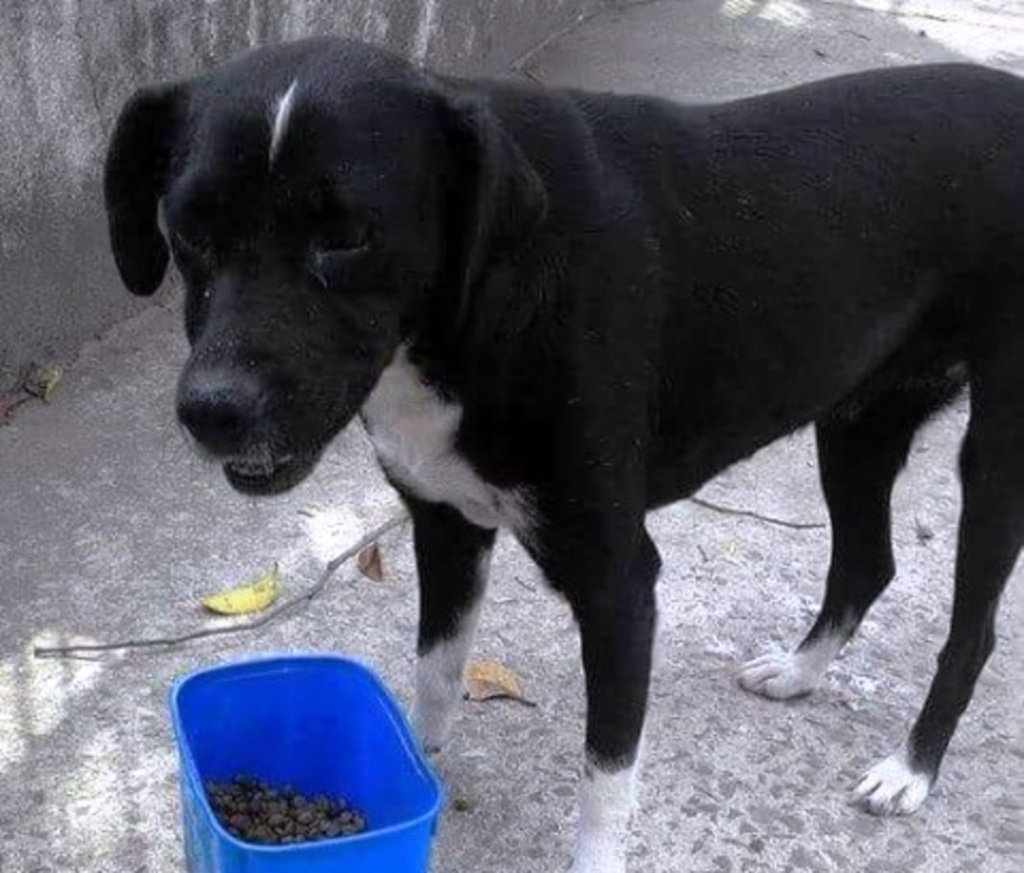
413, 432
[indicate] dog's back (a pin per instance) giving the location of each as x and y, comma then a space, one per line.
794, 247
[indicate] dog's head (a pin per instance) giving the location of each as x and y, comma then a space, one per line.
322, 201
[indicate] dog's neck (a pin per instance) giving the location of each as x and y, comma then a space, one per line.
438, 361
460, 335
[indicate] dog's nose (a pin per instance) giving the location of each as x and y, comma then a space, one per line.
221, 408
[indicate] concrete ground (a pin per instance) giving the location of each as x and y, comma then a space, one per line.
112, 530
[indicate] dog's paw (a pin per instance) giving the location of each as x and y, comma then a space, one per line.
609, 859
434, 710
577, 867
432, 729
892, 787
780, 675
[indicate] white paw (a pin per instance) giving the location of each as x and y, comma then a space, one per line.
891, 787
600, 858
606, 801
780, 675
432, 722
439, 682
437, 700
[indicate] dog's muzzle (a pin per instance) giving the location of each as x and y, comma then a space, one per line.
273, 476
227, 411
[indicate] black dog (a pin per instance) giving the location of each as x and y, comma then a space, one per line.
557, 310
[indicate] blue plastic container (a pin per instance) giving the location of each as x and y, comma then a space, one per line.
318, 723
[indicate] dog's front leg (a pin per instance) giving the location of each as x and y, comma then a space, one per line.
452, 560
611, 589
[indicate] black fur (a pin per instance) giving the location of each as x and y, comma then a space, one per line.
625, 295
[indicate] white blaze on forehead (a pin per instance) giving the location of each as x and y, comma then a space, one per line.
282, 114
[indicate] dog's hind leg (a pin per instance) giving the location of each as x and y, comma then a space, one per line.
861, 449
990, 539
452, 561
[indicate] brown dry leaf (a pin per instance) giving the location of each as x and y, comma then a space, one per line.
370, 564
489, 680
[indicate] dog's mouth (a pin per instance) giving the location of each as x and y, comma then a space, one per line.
264, 476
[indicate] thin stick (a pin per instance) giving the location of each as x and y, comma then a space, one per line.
315, 589
273, 615
748, 513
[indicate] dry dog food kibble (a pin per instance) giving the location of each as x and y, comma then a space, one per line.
255, 812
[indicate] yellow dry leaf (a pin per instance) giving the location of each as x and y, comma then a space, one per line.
43, 382
370, 564
489, 680
255, 595
730, 551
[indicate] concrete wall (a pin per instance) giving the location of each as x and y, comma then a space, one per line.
66, 66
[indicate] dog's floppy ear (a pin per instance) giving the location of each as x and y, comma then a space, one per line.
135, 178
502, 197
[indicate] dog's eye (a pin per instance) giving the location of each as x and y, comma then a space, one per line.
353, 240
191, 248
330, 256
